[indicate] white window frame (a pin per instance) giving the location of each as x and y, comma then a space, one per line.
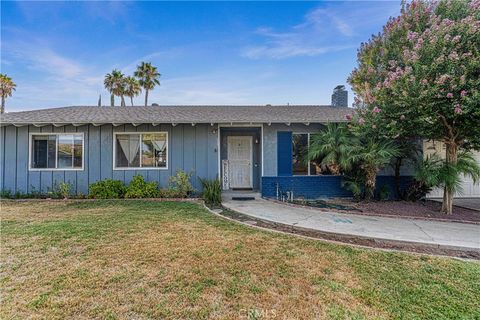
56, 134
141, 136
308, 149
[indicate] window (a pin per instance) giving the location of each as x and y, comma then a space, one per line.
299, 154
300, 145
140, 150
56, 151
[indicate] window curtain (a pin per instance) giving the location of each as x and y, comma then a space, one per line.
130, 147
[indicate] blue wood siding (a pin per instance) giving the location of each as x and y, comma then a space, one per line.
190, 148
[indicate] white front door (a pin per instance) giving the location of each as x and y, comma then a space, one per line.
239, 155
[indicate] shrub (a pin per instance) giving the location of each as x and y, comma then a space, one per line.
180, 185
354, 181
64, 189
138, 188
107, 189
212, 192
6, 194
384, 192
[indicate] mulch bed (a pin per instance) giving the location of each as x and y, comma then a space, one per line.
429, 210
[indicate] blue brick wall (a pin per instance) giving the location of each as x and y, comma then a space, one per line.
314, 187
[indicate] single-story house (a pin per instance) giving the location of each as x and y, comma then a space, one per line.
247, 147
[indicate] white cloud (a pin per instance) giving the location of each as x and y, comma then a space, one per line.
329, 28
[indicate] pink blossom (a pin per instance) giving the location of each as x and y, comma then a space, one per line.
475, 5
457, 109
425, 81
374, 126
463, 93
402, 117
348, 117
377, 110
453, 56
411, 35
361, 121
449, 95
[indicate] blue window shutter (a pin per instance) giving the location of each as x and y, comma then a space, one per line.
284, 153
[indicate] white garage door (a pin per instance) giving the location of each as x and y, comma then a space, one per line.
469, 189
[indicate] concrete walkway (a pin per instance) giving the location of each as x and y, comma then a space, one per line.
447, 235
469, 203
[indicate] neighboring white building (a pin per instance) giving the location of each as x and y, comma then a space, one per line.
469, 189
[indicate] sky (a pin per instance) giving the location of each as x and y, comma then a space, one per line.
207, 52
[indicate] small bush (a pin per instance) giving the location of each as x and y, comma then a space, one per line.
180, 185
212, 192
107, 189
138, 188
64, 189
6, 194
354, 184
384, 193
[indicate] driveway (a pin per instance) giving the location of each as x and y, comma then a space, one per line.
469, 203
449, 235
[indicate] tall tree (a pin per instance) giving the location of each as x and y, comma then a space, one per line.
7, 86
423, 72
132, 88
115, 83
148, 77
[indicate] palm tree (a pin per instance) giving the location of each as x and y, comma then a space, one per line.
371, 155
330, 147
148, 77
115, 83
132, 88
434, 172
450, 177
7, 86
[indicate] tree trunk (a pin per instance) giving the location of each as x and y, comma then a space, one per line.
112, 100
398, 165
122, 101
131, 100
146, 97
334, 168
370, 180
451, 158
2, 108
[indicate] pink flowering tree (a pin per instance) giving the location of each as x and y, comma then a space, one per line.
420, 77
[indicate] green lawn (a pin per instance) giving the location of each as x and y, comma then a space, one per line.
142, 260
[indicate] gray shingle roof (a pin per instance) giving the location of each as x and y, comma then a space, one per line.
178, 114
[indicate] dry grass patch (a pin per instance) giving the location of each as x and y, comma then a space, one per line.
143, 260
